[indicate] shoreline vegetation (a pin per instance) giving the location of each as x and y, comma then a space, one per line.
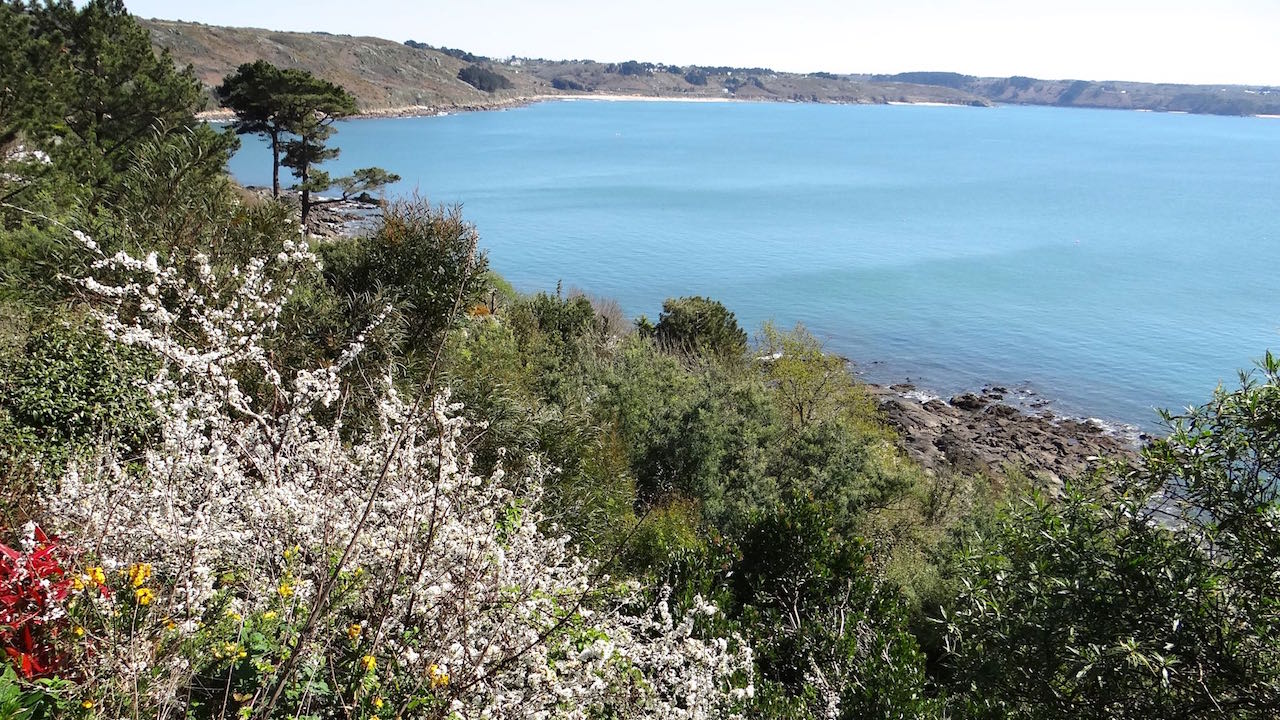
977, 431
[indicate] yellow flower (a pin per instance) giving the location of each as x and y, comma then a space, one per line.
170, 625
439, 678
285, 589
377, 702
269, 615
369, 663
144, 596
86, 704
96, 575
139, 573
235, 616
79, 631
290, 552
353, 632
77, 583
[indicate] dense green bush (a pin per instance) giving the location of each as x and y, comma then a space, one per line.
66, 392
700, 326
695, 77
420, 260
566, 83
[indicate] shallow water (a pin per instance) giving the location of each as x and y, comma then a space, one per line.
1110, 261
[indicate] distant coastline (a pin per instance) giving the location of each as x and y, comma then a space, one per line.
414, 111
391, 79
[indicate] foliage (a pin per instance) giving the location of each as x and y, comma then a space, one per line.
700, 326
811, 384
65, 393
630, 67
33, 585
1149, 595
420, 260
831, 637
482, 78
101, 88
567, 83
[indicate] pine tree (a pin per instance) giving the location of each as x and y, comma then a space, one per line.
256, 92
295, 111
85, 86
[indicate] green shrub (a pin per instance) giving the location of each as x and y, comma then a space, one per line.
700, 326
1148, 592
65, 392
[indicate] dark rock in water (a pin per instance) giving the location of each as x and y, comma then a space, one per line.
902, 387
969, 401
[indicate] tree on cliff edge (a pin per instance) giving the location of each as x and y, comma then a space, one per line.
296, 110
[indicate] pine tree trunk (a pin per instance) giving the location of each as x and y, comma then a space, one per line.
306, 196
275, 163
306, 182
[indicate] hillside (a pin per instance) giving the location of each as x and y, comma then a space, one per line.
380, 73
383, 74
386, 75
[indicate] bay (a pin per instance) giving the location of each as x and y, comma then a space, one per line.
1110, 261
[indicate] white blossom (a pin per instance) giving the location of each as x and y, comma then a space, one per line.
232, 487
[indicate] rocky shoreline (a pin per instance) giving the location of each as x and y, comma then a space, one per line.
981, 433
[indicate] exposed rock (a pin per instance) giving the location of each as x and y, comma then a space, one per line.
969, 401
336, 219
977, 434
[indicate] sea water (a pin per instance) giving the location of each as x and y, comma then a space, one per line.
1110, 261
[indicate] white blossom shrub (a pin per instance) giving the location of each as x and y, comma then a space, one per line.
263, 560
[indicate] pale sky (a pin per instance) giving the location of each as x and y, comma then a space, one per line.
1204, 41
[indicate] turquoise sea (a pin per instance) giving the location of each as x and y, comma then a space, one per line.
1109, 261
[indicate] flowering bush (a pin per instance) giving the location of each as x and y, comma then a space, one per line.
263, 560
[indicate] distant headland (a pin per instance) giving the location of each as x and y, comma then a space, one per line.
412, 78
